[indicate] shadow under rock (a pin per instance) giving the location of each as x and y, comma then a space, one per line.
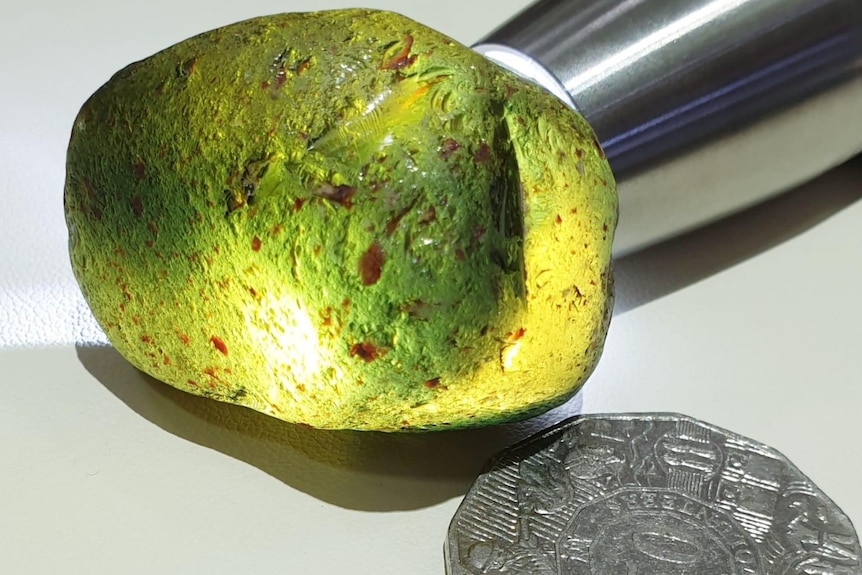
366, 471
661, 269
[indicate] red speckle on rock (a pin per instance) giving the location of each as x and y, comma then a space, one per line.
558, 220
326, 317
140, 170
371, 264
137, 206
297, 204
432, 383
303, 66
403, 58
393, 224
188, 67
219, 345
365, 351
210, 371
341, 195
89, 189
94, 210
448, 148
428, 216
483, 153
514, 336
416, 308
255, 244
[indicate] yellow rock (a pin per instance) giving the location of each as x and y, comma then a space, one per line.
343, 219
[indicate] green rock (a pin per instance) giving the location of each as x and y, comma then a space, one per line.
343, 219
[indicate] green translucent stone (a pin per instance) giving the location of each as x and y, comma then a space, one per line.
343, 219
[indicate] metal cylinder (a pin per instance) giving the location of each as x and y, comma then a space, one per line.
703, 107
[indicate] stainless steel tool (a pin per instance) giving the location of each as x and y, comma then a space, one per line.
703, 107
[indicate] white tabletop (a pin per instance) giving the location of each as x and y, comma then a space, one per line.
753, 324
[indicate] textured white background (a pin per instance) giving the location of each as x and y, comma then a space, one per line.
753, 324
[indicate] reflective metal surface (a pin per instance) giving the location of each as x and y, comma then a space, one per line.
647, 494
703, 106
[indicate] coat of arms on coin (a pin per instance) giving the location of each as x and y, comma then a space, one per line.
652, 494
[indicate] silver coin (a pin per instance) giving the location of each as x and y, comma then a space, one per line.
654, 494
